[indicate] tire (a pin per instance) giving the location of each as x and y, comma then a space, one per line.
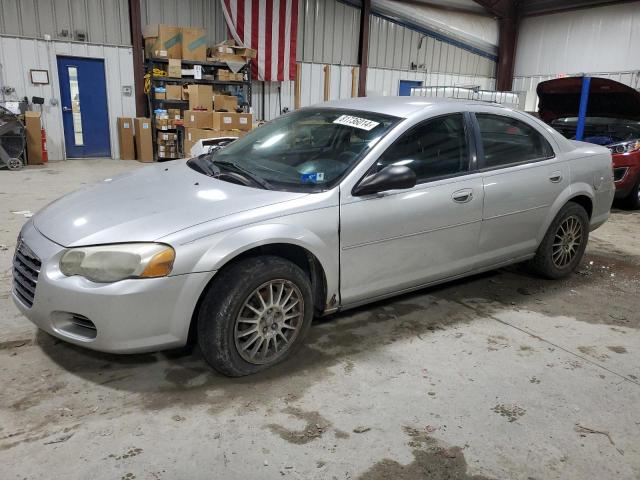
224, 335
554, 258
633, 199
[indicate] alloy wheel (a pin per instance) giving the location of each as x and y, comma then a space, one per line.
567, 241
269, 321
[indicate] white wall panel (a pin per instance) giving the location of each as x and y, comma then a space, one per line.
19, 55
103, 21
603, 39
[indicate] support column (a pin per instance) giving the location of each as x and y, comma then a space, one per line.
135, 27
508, 37
363, 47
582, 110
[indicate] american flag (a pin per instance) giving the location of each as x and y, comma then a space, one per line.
270, 27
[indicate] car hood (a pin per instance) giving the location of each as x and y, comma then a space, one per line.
147, 204
560, 98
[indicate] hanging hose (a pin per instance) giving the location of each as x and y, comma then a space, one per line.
157, 72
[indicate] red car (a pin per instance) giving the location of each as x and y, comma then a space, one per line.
613, 120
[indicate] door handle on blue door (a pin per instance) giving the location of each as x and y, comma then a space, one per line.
555, 177
462, 196
66, 109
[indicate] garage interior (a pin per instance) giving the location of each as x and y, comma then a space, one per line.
501, 375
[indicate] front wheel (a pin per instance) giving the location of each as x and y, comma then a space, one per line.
564, 243
255, 314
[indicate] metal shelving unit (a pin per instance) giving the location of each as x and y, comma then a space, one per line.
209, 69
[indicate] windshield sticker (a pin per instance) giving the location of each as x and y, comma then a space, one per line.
357, 122
314, 177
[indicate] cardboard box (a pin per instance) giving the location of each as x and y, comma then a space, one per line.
174, 92
227, 103
144, 144
167, 137
227, 57
245, 52
243, 121
175, 68
163, 124
158, 38
198, 119
34, 137
174, 113
222, 120
200, 97
160, 95
194, 44
126, 139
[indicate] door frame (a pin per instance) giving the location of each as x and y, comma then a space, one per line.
59, 92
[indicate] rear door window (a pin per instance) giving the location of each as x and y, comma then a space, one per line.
508, 141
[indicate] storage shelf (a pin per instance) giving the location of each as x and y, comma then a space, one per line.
191, 62
163, 100
204, 81
208, 68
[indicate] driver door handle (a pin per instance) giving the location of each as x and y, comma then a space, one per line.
462, 196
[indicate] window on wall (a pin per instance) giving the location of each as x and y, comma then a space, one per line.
506, 140
433, 149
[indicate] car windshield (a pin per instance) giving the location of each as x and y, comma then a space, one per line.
600, 130
307, 150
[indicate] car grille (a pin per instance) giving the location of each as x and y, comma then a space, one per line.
26, 268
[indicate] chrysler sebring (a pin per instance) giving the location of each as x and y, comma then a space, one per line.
323, 209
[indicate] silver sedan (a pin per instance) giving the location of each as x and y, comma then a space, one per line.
320, 210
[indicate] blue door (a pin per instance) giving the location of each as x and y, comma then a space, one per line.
83, 94
406, 86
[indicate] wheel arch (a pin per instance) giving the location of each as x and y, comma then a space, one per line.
582, 194
296, 244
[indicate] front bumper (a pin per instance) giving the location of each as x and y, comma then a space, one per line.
129, 316
628, 164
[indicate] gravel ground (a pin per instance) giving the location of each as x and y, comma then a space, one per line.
501, 375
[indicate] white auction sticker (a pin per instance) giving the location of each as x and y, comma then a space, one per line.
357, 122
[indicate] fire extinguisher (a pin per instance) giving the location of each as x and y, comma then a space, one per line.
43, 145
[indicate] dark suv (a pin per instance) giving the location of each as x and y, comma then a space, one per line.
613, 120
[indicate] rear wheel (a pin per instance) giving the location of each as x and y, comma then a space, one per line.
255, 314
633, 199
564, 243
15, 164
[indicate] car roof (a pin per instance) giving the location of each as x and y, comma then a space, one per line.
402, 107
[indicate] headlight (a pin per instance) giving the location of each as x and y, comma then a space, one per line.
624, 147
111, 263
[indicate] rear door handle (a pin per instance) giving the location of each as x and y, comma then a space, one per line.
462, 196
555, 177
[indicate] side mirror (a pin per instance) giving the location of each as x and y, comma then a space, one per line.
391, 177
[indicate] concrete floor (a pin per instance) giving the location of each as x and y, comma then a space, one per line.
501, 375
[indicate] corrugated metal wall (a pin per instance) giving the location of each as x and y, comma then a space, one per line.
206, 14
386, 81
603, 39
103, 21
395, 46
18, 55
328, 32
